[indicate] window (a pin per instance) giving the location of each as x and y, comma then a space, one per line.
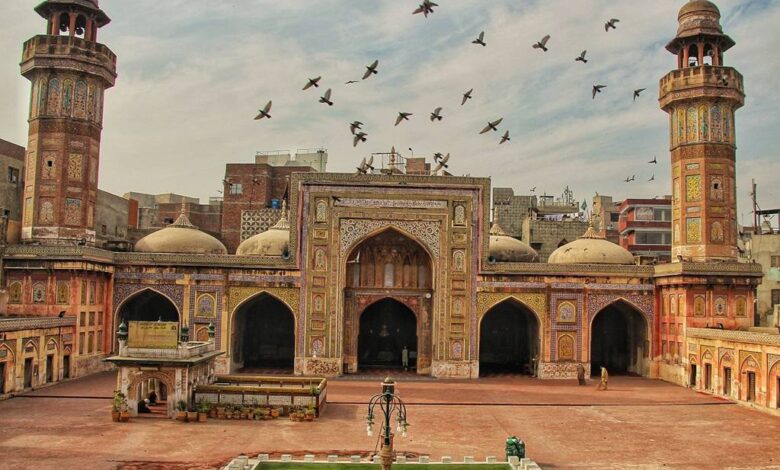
13, 175
83, 292
83, 319
168, 220
91, 318
614, 217
81, 342
100, 318
236, 188
99, 341
103, 229
653, 238
774, 261
775, 297
91, 344
662, 214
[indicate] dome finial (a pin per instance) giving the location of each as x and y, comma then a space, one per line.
496, 229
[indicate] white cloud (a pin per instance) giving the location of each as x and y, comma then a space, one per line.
192, 75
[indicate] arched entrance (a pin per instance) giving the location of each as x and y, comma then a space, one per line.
618, 340
388, 281
508, 339
386, 328
263, 335
148, 305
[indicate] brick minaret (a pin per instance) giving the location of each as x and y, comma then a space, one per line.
69, 71
701, 96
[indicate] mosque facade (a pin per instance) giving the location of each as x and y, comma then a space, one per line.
362, 269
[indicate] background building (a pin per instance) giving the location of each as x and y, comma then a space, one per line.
11, 189
645, 227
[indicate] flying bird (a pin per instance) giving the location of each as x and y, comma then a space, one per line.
582, 58
313, 82
326, 98
265, 112
480, 40
505, 138
355, 125
402, 117
370, 164
442, 162
371, 70
359, 137
627, 180
597, 89
491, 126
542, 44
426, 7
436, 114
350, 82
466, 97
610, 24
637, 92
362, 168
654, 160
533, 190
652, 178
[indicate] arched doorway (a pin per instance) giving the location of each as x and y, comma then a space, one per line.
618, 340
508, 339
386, 328
264, 335
148, 305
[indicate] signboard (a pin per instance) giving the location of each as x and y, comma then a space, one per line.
153, 334
643, 213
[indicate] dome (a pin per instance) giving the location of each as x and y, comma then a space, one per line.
180, 237
505, 249
273, 242
591, 248
699, 18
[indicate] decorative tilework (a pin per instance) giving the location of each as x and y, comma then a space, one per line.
353, 230
262, 278
72, 211
693, 229
75, 164
165, 276
536, 302
390, 203
46, 212
693, 188
257, 221
289, 295
643, 303
175, 293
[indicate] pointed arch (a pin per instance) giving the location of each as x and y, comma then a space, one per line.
263, 329
9, 352
510, 337
620, 337
146, 291
385, 228
523, 299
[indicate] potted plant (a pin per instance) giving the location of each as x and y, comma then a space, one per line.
220, 411
310, 412
116, 405
181, 410
203, 410
275, 413
192, 414
124, 412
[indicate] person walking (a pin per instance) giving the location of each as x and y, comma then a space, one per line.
604, 379
580, 374
405, 358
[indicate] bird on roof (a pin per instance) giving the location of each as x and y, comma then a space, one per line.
355, 125
426, 7
359, 137
466, 97
654, 160
402, 117
313, 82
610, 24
480, 41
491, 126
371, 70
542, 44
436, 114
326, 98
582, 58
505, 138
265, 112
597, 90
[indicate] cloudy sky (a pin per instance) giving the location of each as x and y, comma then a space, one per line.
192, 74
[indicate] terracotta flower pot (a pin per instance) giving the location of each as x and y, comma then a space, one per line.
115, 416
124, 416
192, 416
202, 417
181, 416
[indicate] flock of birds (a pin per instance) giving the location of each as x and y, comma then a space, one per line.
360, 135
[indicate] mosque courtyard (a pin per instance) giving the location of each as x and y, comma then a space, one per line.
637, 423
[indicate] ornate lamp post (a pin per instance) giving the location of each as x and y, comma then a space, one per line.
388, 403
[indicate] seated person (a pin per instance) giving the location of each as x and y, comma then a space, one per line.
143, 406
152, 398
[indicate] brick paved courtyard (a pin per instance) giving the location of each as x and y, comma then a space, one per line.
638, 423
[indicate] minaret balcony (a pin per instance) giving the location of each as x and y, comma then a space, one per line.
702, 82
69, 52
